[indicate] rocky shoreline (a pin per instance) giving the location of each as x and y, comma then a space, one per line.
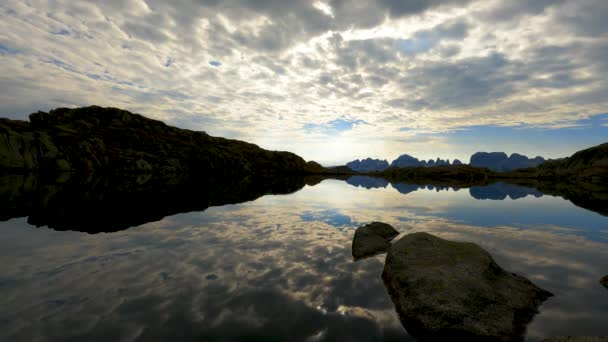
446, 289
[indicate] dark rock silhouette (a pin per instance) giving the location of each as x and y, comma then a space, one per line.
110, 140
441, 162
372, 239
590, 165
405, 160
456, 162
108, 204
498, 161
455, 290
604, 281
500, 191
367, 182
368, 165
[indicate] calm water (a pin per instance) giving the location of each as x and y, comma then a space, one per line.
280, 267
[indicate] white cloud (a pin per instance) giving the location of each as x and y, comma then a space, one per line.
434, 68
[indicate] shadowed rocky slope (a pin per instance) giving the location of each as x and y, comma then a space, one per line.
589, 165
114, 141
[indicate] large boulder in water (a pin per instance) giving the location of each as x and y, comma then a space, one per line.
446, 289
372, 239
604, 281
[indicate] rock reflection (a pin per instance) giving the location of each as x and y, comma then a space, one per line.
106, 204
196, 275
367, 182
500, 191
590, 196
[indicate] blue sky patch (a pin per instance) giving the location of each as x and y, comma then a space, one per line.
332, 217
7, 50
341, 124
215, 63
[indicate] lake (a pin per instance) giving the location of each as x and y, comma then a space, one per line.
279, 267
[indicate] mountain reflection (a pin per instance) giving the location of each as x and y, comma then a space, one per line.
367, 182
108, 204
281, 268
590, 196
500, 191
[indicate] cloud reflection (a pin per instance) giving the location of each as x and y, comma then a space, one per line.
261, 270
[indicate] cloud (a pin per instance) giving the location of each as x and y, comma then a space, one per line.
258, 267
439, 64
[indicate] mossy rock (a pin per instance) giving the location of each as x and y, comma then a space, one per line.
447, 289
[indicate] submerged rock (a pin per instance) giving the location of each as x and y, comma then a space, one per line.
442, 288
604, 281
372, 239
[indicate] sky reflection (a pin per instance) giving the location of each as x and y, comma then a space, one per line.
281, 266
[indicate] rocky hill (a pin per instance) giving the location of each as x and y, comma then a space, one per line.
114, 141
589, 165
498, 161
368, 165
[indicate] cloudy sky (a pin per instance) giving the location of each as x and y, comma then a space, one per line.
330, 80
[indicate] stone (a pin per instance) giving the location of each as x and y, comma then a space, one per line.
372, 239
444, 289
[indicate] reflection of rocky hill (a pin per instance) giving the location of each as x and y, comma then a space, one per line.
367, 182
405, 188
110, 140
500, 191
111, 204
453, 175
591, 196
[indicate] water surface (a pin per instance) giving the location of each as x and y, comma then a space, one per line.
280, 267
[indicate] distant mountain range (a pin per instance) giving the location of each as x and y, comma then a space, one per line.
405, 160
495, 161
368, 165
498, 161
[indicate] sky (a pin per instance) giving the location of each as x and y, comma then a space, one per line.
329, 80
